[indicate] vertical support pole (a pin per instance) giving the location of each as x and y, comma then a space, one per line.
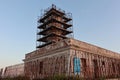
68, 63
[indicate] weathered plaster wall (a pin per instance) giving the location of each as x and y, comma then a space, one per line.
104, 66
1, 71
56, 59
14, 70
49, 65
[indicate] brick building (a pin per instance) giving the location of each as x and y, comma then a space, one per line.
59, 54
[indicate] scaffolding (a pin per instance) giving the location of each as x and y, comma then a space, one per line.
53, 25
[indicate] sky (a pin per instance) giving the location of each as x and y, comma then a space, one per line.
94, 21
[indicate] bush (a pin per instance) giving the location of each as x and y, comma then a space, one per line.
61, 77
56, 77
16, 78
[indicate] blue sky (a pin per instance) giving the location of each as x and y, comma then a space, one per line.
94, 21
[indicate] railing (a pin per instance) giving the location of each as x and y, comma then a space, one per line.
54, 7
60, 21
43, 14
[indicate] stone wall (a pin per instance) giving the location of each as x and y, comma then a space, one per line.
1, 71
80, 45
14, 70
94, 66
95, 61
57, 59
50, 65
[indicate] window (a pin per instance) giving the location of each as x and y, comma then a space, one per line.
41, 67
103, 63
113, 66
76, 62
84, 64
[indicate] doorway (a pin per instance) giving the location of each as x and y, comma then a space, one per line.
95, 68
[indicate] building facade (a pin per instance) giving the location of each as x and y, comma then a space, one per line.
61, 59
59, 54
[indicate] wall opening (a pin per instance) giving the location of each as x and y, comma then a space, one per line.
41, 67
84, 66
95, 64
76, 62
